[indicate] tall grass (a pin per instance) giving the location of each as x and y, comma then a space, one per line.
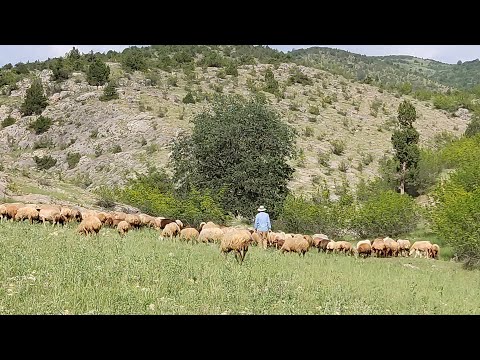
45, 270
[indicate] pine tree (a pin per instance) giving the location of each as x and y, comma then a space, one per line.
35, 101
110, 92
98, 73
271, 85
60, 71
405, 144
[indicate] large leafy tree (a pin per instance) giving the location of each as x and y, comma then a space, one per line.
239, 149
98, 73
35, 101
405, 144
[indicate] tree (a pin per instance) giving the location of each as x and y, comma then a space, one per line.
110, 92
133, 59
98, 73
405, 144
271, 85
60, 72
35, 101
239, 150
74, 60
473, 126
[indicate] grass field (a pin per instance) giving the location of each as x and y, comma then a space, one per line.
55, 271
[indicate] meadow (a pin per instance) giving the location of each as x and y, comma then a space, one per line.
45, 270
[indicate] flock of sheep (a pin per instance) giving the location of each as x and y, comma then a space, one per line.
230, 238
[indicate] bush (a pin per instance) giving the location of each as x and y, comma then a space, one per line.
338, 146
73, 159
133, 60
309, 132
367, 159
116, 149
385, 214
106, 197
188, 99
60, 72
298, 77
323, 158
98, 73
44, 143
110, 92
45, 163
41, 124
8, 121
314, 110
35, 101
231, 69
473, 127
343, 166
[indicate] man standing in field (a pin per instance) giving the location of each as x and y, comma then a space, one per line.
262, 225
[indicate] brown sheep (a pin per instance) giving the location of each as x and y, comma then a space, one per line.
391, 247
133, 220
322, 244
344, 247
188, 234
434, 251
170, 230
89, 225
378, 247
237, 241
309, 239
51, 214
364, 248
3, 211
208, 225
147, 220
161, 222
421, 247
29, 213
123, 227
211, 235
296, 244
117, 216
11, 210
403, 247
66, 212
179, 223
331, 247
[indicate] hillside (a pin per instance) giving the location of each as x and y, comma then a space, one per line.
116, 138
393, 70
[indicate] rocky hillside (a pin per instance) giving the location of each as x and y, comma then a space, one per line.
115, 139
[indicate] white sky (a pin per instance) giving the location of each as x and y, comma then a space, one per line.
444, 53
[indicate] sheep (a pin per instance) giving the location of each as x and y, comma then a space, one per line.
123, 227
133, 220
89, 225
11, 210
256, 239
403, 247
320, 236
331, 246
146, 220
296, 244
420, 247
179, 223
279, 239
26, 212
161, 222
309, 239
208, 225
170, 230
391, 247
211, 235
117, 217
321, 245
344, 246
188, 234
66, 212
51, 214
364, 248
434, 251
378, 247
237, 241
3, 212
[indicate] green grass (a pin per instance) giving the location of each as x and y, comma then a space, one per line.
45, 270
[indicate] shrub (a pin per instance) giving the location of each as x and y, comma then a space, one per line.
343, 166
98, 73
8, 121
106, 197
473, 126
116, 149
385, 214
338, 146
309, 132
44, 163
298, 77
43, 143
110, 92
314, 110
172, 80
231, 69
41, 124
367, 159
133, 60
35, 101
323, 158
188, 99
73, 159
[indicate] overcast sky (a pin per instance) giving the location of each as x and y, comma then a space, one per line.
444, 53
